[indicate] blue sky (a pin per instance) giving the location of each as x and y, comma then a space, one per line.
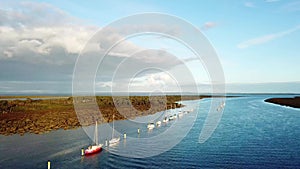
257, 41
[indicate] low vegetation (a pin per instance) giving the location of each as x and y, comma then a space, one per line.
36, 115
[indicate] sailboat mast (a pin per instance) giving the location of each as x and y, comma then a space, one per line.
112, 134
96, 133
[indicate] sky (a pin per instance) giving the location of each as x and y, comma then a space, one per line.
256, 41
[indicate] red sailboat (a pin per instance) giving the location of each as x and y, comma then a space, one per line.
94, 148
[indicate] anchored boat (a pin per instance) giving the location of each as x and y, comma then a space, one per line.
150, 126
94, 148
165, 120
113, 140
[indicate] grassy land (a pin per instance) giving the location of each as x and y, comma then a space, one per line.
40, 116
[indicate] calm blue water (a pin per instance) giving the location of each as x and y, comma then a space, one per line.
251, 134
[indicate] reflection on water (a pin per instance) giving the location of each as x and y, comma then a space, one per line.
252, 134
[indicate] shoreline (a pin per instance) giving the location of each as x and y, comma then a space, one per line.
40, 116
290, 102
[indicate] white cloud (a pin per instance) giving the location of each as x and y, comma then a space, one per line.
249, 4
270, 1
42, 41
266, 38
38, 32
42, 32
209, 25
105, 84
29, 30
25, 44
161, 81
7, 53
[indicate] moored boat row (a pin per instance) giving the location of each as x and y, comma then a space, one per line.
166, 119
96, 148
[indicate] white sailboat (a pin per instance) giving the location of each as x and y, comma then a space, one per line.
150, 126
180, 114
113, 140
221, 106
165, 120
174, 116
94, 148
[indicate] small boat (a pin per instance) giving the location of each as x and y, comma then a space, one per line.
165, 120
113, 140
175, 116
188, 111
94, 148
150, 126
172, 118
221, 106
180, 114
158, 123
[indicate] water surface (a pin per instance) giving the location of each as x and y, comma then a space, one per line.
251, 134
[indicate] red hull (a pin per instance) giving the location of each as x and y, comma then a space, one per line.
92, 151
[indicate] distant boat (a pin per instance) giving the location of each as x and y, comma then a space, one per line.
165, 120
150, 126
158, 123
113, 140
180, 114
188, 111
94, 148
175, 116
221, 106
172, 117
